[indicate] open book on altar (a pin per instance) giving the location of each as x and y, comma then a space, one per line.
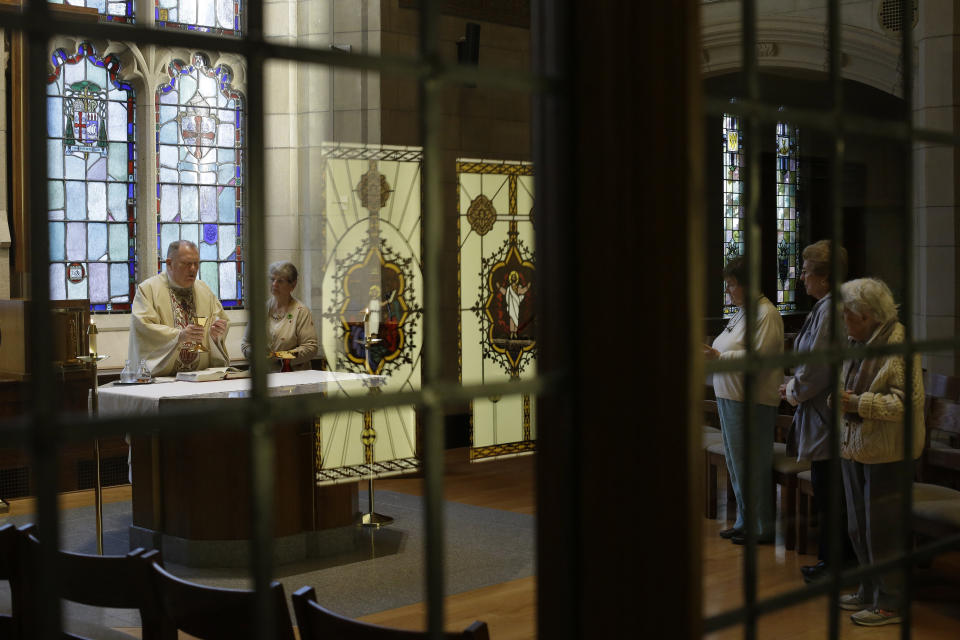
213, 373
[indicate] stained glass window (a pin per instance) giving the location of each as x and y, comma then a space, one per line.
200, 124
111, 10
91, 169
733, 195
213, 16
787, 239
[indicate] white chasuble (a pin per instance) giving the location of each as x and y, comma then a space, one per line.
156, 319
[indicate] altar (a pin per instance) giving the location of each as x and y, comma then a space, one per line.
191, 491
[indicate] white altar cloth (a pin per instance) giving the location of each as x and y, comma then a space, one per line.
145, 399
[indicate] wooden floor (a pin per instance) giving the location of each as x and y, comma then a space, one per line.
510, 608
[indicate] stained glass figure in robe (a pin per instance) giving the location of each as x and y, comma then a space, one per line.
200, 125
91, 172
213, 16
733, 196
788, 242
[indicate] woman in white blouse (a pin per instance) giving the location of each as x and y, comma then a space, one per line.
729, 389
290, 328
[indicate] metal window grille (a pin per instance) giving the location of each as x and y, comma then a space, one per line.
890, 14
838, 123
44, 431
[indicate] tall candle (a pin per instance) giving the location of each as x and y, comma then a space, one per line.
92, 336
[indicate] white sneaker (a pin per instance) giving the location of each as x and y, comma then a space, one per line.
876, 618
852, 602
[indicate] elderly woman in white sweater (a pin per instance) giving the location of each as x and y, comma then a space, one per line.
871, 445
729, 389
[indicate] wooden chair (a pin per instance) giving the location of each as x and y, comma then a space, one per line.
9, 624
316, 623
785, 470
116, 582
213, 613
711, 414
940, 462
715, 464
806, 517
936, 510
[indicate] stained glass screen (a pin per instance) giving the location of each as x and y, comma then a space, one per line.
200, 125
91, 171
214, 16
787, 239
371, 317
111, 10
498, 287
733, 196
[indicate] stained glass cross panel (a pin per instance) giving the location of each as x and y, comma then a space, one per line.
91, 180
111, 10
221, 17
733, 196
200, 123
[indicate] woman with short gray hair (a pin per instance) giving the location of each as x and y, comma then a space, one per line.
872, 446
292, 337
808, 390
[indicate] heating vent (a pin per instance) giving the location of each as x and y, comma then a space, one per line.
14, 483
113, 471
891, 15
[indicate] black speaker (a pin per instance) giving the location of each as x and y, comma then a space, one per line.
468, 47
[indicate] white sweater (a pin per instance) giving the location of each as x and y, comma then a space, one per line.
731, 343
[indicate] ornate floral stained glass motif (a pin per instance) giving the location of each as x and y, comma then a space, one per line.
91, 169
787, 239
733, 196
498, 287
200, 123
111, 10
371, 303
212, 16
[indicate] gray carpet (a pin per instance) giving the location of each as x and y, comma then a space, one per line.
483, 547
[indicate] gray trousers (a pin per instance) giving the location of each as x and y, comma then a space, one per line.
875, 524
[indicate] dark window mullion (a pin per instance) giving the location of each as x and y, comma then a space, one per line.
432, 186
44, 424
906, 307
752, 253
261, 432
836, 529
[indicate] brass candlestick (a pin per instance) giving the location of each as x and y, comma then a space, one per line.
370, 519
94, 407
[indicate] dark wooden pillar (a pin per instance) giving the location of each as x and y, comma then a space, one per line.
619, 161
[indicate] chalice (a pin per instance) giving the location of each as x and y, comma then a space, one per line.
202, 321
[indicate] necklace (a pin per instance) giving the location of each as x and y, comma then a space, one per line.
278, 313
734, 320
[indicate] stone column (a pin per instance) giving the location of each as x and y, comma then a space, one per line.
937, 170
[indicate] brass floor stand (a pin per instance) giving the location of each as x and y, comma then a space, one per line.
373, 519
95, 359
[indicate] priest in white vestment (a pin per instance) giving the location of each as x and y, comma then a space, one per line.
163, 328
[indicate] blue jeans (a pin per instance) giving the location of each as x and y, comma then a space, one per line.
758, 510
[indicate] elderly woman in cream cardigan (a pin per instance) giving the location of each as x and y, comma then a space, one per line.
872, 446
